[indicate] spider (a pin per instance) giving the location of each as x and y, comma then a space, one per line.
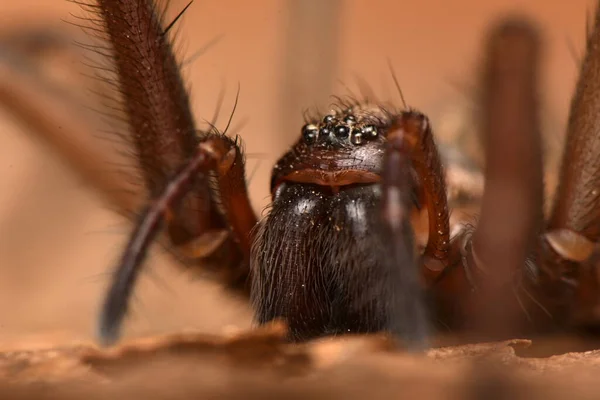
336, 254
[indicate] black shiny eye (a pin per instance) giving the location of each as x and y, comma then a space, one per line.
325, 131
369, 131
350, 119
310, 133
329, 119
356, 137
342, 131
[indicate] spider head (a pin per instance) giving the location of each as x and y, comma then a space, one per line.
341, 148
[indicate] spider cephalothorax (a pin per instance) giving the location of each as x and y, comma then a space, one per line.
337, 149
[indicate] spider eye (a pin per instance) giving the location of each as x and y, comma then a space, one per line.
329, 119
325, 131
350, 119
310, 132
357, 137
342, 131
369, 131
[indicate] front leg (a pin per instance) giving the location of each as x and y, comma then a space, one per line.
217, 154
485, 287
195, 179
412, 135
410, 139
153, 101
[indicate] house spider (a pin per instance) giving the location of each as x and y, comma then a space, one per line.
336, 254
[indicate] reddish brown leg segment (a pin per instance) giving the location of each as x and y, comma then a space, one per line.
234, 199
577, 203
217, 153
177, 164
411, 320
511, 213
574, 227
426, 162
156, 103
489, 260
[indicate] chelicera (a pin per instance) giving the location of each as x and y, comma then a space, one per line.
336, 253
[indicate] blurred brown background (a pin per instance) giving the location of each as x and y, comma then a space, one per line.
58, 241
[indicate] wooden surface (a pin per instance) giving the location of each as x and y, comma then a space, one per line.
260, 365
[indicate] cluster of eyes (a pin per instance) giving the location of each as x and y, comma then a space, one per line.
348, 127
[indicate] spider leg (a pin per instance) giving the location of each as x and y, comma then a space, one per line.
218, 154
406, 303
493, 258
512, 205
577, 202
161, 125
425, 158
196, 180
573, 231
41, 105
